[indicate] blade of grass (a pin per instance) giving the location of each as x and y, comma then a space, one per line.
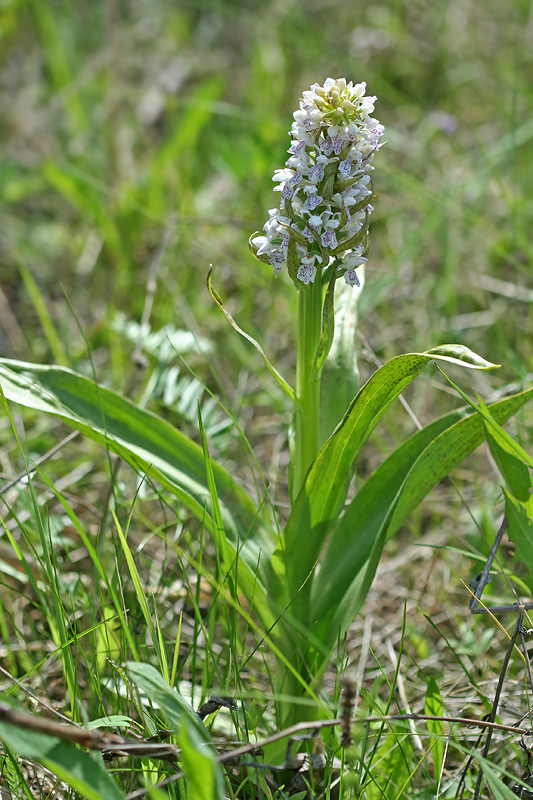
53, 606
139, 590
54, 342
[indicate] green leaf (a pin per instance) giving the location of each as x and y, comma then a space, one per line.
481, 409
499, 789
395, 758
199, 758
381, 506
289, 391
433, 706
513, 469
217, 516
520, 531
458, 353
173, 706
324, 491
151, 445
328, 328
200, 767
137, 583
85, 774
54, 342
113, 721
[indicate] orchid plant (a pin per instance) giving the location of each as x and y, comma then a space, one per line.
320, 231
304, 579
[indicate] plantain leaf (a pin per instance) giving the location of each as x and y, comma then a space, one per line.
325, 487
151, 445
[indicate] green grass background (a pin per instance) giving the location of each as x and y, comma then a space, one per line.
118, 115
131, 124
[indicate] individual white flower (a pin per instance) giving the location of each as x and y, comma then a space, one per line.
329, 239
352, 262
313, 199
316, 173
319, 221
345, 168
307, 269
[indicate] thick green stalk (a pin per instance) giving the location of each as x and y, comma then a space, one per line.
307, 390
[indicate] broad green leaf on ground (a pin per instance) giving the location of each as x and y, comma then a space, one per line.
381, 506
113, 721
149, 444
85, 774
199, 760
324, 491
520, 531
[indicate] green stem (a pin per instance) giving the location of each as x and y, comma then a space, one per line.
308, 392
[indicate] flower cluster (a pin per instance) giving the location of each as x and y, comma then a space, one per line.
325, 188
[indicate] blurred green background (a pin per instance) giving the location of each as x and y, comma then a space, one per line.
138, 143
134, 126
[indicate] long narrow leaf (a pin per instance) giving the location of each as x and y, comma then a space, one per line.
387, 498
482, 409
512, 467
322, 496
434, 707
137, 585
520, 532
